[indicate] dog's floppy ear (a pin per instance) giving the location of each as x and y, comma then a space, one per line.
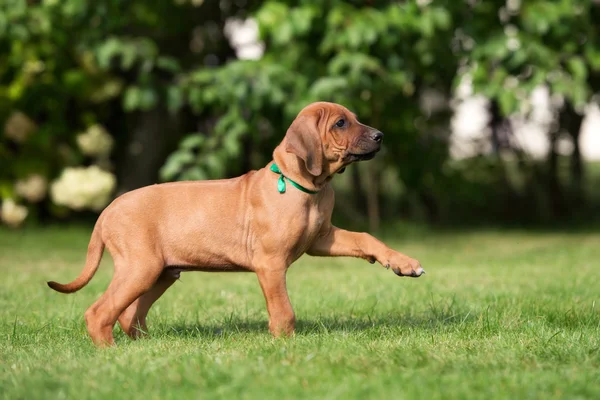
304, 140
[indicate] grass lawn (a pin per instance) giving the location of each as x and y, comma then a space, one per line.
500, 314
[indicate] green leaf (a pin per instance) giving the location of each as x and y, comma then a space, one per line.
106, 51
592, 54
128, 56
284, 33
195, 173
148, 99
441, 17
131, 98
577, 68
427, 24
579, 95
327, 85
170, 170
139, 98
271, 14
74, 80
214, 164
232, 145
301, 19
507, 102
175, 98
195, 98
168, 64
192, 142
182, 157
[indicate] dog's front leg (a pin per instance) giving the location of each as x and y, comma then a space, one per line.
281, 314
338, 242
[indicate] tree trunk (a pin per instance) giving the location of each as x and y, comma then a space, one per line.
358, 200
373, 197
501, 130
153, 137
431, 206
494, 124
571, 121
556, 197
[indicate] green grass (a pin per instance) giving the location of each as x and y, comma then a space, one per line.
500, 314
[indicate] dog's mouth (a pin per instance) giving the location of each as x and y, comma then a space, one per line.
363, 156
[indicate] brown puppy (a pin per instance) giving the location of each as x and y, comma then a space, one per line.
261, 222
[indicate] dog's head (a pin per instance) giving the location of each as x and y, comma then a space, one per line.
328, 137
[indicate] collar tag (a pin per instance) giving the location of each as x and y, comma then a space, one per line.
281, 182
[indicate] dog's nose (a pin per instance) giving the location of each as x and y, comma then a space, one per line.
377, 136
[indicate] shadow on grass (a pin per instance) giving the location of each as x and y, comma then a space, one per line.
443, 315
320, 325
449, 318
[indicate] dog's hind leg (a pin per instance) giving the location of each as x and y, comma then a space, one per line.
130, 281
133, 319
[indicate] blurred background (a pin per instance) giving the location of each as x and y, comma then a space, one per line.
490, 108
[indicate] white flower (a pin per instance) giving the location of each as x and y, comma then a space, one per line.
243, 35
83, 188
513, 6
18, 127
511, 82
33, 188
432, 101
13, 214
195, 3
95, 142
513, 44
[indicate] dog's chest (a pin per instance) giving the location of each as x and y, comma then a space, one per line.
286, 224
311, 227
296, 230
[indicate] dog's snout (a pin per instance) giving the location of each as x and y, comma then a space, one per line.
377, 136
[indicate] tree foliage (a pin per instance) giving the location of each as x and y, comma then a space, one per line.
73, 63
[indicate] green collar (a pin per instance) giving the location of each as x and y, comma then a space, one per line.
282, 179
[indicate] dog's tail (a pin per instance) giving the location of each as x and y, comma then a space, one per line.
94, 255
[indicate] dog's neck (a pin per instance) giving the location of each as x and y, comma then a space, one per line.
293, 167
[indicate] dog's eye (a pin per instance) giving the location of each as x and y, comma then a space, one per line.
340, 123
